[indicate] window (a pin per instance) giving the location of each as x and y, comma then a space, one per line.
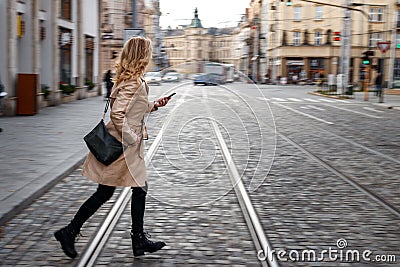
296, 38
65, 46
319, 12
66, 9
297, 13
374, 38
398, 40
376, 14
398, 19
396, 69
318, 38
89, 49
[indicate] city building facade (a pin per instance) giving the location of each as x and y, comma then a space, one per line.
55, 41
302, 41
121, 19
189, 47
307, 40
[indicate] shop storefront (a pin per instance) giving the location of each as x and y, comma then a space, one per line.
396, 73
294, 68
316, 68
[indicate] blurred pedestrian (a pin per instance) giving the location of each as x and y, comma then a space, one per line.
109, 83
378, 84
129, 103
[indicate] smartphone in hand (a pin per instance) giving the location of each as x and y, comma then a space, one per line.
171, 95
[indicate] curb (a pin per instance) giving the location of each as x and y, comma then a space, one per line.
26, 195
383, 105
329, 96
386, 106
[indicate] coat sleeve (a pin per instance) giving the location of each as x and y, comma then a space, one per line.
118, 114
151, 107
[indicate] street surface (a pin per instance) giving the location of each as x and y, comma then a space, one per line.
321, 173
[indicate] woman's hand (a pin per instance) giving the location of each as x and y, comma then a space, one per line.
161, 102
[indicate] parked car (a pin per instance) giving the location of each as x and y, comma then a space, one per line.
209, 79
171, 77
194, 75
153, 77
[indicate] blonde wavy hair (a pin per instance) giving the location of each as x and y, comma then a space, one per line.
133, 60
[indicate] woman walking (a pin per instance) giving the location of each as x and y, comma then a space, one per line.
129, 103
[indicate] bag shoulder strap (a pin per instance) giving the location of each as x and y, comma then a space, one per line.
106, 107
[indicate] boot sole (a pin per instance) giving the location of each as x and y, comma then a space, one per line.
140, 252
58, 237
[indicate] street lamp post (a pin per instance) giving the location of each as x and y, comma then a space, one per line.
255, 50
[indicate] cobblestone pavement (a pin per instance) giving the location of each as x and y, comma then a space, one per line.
27, 240
305, 206
37, 150
301, 204
196, 233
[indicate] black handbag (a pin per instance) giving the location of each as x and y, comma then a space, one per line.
105, 147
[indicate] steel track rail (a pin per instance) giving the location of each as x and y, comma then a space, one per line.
260, 240
354, 143
250, 215
93, 250
375, 197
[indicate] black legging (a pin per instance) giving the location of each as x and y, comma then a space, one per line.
102, 195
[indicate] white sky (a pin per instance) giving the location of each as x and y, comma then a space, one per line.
212, 13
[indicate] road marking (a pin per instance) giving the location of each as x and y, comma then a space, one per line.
311, 100
304, 114
278, 99
327, 100
343, 101
304, 107
353, 111
294, 99
314, 107
372, 109
262, 98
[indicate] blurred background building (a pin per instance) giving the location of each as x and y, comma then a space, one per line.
304, 39
190, 46
124, 17
47, 47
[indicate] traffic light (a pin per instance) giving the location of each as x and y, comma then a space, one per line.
337, 37
288, 2
366, 58
114, 54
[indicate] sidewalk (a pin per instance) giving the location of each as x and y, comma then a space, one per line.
390, 100
38, 151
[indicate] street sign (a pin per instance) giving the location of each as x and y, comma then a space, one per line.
384, 46
128, 33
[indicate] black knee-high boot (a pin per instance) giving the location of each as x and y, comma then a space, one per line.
140, 241
66, 236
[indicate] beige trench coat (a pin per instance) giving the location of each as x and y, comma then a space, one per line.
129, 103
